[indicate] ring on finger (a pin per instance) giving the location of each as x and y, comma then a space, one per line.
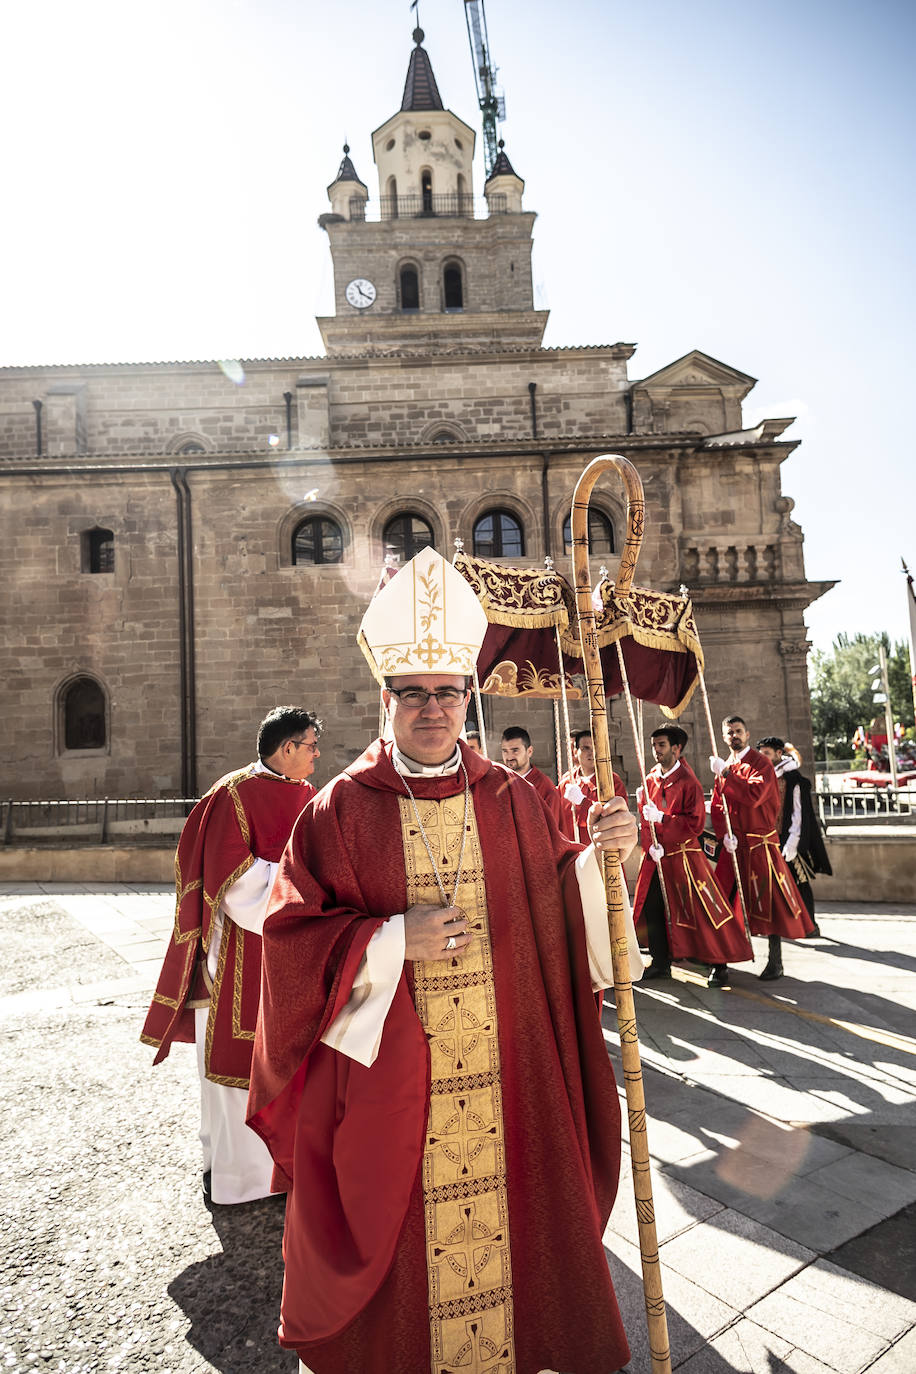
451, 943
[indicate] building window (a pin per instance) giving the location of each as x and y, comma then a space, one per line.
192, 447
452, 287
83, 710
97, 551
410, 288
426, 185
406, 535
498, 535
318, 540
600, 533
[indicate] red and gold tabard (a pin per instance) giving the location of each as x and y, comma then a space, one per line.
548, 794
246, 815
774, 906
701, 925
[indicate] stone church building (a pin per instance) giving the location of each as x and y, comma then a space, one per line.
186, 545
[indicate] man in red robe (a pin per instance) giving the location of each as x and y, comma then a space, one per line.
517, 752
747, 782
429, 1071
697, 922
209, 987
579, 789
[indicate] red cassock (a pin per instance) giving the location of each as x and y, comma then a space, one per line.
547, 792
774, 906
702, 925
244, 816
574, 820
349, 1140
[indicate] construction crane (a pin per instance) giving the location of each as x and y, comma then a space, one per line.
492, 103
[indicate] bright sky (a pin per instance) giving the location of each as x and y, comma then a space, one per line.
733, 178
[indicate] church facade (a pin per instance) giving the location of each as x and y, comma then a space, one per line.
187, 545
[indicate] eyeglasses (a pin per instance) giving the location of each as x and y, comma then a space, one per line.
313, 748
416, 697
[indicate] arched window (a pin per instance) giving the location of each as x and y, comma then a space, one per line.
392, 198
426, 187
409, 283
498, 535
600, 533
464, 200
83, 715
452, 287
97, 551
406, 535
192, 447
317, 540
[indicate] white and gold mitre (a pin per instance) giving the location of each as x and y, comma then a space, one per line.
424, 620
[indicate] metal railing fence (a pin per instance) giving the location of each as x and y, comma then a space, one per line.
448, 206
875, 804
94, 818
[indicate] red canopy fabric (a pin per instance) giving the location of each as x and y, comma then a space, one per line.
529, 610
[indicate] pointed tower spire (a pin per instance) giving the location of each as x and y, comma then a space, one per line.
347, 194
503, 187
420, 89
346, 171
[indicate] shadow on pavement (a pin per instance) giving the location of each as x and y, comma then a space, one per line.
232, 1299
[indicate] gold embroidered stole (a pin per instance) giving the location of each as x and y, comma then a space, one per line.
464, 1168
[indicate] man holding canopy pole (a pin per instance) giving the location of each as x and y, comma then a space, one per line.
429, 1072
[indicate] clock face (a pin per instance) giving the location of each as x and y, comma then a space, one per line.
360, 293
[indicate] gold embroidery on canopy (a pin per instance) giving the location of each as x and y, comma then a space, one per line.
469, 1265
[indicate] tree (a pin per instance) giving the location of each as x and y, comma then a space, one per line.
841, 689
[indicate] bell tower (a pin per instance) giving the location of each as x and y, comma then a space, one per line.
428, 267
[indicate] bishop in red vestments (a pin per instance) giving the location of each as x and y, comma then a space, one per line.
429, 1071
209, 986
698, 923
747, 781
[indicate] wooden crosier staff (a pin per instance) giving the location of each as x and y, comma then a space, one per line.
613, 879
481, 728
714, 746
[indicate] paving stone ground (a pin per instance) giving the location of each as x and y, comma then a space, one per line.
780, 1125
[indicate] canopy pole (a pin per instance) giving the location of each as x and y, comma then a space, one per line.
714, 748
641, 760
481, 728
557, 743
613, 880
565, 700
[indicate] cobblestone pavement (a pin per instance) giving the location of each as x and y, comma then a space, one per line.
780, 1125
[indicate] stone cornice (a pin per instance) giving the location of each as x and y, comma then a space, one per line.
667, 448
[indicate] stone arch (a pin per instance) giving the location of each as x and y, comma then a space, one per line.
189, 442
406, 505
443, 431
408, 281
82, 715
453, 284
293, 518
514, 505
613, 511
